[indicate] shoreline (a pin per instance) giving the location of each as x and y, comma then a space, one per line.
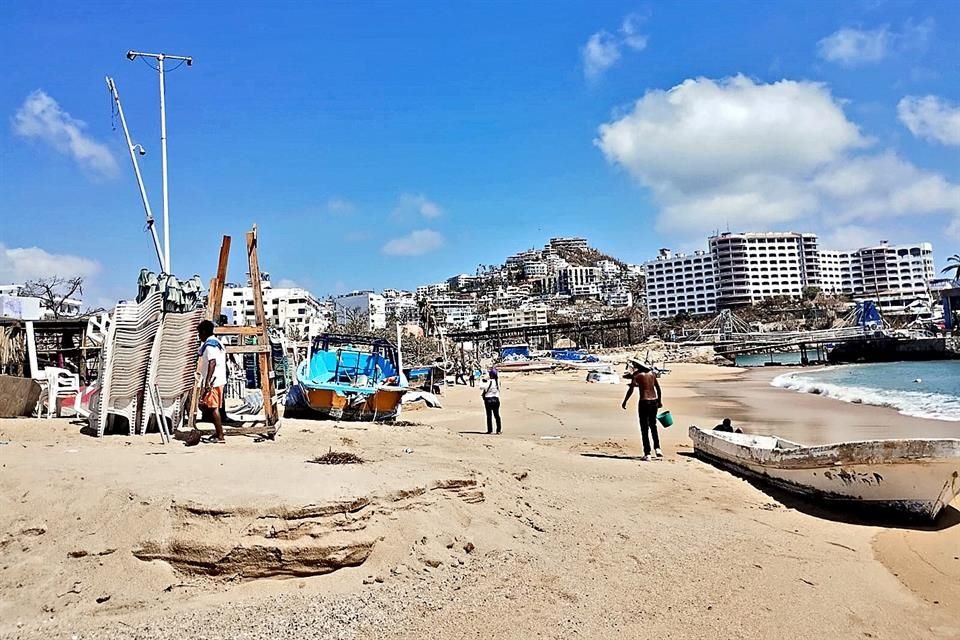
815, 418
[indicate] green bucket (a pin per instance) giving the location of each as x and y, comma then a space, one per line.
665, 419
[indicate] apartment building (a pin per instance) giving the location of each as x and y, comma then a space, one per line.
432, 290
454, 312
679, 282
894, 276
526, 316
751, 267
368, 302
461, 281
290, 308
405, 309
567, 243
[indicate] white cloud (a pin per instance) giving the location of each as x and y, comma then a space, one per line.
851, 236
415, 243
603, 49
286, 283
852, 47
931, 118
418, 204
340, 205
734, 152
41, 117
17, 265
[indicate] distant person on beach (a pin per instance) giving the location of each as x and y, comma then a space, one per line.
651, 399
461, 373
213, 372
491, 400
727, 426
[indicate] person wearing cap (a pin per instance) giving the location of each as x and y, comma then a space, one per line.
651, 399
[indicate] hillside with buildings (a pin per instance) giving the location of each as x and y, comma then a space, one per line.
762, 274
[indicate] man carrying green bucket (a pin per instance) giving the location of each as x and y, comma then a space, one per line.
651, 399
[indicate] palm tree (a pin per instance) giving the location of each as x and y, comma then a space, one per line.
953, 265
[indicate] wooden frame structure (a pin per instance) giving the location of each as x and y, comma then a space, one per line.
259, 331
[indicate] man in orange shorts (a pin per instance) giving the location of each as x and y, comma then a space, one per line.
213, 371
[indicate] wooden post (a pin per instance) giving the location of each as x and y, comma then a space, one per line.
214, 298
265, 358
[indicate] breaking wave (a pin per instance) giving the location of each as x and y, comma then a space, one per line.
918, 404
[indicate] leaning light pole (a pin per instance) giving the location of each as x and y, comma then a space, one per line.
160, 58
134, 149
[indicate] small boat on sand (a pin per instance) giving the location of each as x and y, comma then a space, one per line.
915, 477
352, 378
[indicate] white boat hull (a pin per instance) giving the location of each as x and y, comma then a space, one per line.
918, 477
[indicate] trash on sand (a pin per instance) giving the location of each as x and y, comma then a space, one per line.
550, 437
337, 457
408, 450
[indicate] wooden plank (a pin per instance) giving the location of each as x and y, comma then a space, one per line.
248, 348
214, 298
238, 331
261, 429
264, 359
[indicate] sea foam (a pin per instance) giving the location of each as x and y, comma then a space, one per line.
936, 406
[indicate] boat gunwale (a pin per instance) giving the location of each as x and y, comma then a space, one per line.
849, 453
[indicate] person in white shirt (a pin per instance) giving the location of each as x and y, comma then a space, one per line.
491, 400
213, 377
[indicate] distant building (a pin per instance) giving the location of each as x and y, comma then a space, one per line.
525, 316
432, 290
290, 308
568, 243
752, 267
404, 309
680, 283
460, 282
367, 302
896, 277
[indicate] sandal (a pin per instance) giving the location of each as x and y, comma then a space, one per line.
213, 440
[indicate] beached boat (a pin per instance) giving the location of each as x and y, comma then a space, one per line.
916, 477
352, 378
516, 358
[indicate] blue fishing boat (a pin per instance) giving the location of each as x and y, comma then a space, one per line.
352, 378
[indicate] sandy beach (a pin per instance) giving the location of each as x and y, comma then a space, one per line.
555, 529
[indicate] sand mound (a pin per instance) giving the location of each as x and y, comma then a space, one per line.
284, 540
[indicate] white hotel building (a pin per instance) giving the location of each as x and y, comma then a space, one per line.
754, 266
895, 276
290, 308
680, 283
745, 268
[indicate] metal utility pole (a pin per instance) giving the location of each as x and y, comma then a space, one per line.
160, 58
134, 149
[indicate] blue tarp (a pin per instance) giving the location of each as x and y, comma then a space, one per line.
521, 350
867, 313
324, 370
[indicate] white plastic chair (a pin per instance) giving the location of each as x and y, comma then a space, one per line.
61, 384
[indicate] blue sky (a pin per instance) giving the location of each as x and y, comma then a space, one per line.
386, 144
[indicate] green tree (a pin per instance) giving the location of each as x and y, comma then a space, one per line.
953, 264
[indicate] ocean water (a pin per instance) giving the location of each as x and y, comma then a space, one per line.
761, 359
920, 389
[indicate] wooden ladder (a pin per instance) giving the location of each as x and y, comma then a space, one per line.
258, 330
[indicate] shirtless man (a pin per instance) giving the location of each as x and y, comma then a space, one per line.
651, 399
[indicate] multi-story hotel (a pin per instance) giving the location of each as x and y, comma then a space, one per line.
753, 266
680, 282
895, 276
745, 268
